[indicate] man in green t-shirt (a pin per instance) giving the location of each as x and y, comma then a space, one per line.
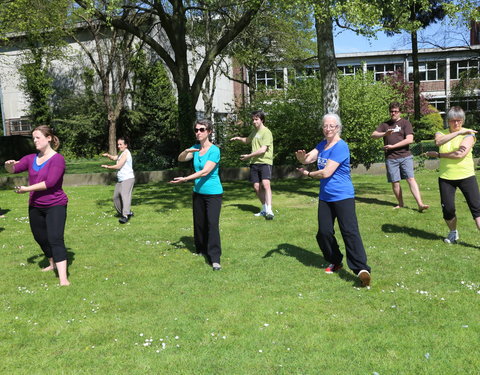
261, 160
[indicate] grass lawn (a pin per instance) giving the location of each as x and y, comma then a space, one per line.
141, 301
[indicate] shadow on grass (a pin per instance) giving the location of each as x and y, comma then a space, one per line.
304, 256
2, 229
373, 201
245, 207
189, 243
419, 233
43, 262
4, 212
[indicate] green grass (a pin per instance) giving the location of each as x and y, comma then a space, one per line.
271, 310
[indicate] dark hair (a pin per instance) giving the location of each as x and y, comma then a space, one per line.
124, 139
207, 123
48, 132
395, 105
260, 115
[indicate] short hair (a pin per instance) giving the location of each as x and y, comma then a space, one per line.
260, 115
455, 113
207, 123
395, 105
47, 131
337, 120
124, 139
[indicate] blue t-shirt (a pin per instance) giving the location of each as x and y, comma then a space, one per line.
209, 184
339, 185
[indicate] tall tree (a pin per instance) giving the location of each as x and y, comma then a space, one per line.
163, 26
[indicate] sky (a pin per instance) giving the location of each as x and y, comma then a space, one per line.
437, 34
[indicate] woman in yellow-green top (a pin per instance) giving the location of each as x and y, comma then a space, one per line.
457, 169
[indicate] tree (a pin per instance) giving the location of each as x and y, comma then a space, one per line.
163, 26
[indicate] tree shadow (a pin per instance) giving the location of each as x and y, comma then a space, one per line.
419, 233
306, 257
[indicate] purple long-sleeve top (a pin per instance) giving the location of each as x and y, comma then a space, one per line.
51, 172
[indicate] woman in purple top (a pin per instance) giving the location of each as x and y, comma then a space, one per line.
48, 202
336, 200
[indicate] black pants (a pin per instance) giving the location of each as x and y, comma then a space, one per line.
206, 217
48, 225
469, 188
344, 211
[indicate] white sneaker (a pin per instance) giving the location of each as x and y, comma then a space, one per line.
452, 237
261, 213
269, 215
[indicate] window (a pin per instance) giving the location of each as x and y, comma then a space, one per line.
467, 103
19, 125
429, 71
438, 103
270, 79
349, 70
459, 67
382, 70
307, 72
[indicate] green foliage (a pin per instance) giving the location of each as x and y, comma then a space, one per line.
80, 119
427, 126
363, 106
151, 123
294, 117
37, 86
467, 88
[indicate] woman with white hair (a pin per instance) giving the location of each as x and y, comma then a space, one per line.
457, 169
336, 200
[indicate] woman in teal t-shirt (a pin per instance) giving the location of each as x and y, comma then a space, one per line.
207, 192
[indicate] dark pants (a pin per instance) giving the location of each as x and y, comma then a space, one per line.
469, 188
48, 225
206, 217
344, 211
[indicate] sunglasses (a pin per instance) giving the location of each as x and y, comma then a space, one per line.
201, 130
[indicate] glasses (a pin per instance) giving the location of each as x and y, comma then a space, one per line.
329, 126
201, 130
455, 120
394, 111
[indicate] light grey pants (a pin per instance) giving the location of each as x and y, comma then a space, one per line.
122, 196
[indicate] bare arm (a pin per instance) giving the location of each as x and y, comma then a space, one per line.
209, 165
377, 134
187, 154
262, 150
35, 187
10, 166
441, 139
307, 158
408, 140
241, 139
326, 172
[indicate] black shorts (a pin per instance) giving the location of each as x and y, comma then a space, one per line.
259, 172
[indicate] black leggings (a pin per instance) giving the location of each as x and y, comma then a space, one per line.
48, 225
206, 217
469, 188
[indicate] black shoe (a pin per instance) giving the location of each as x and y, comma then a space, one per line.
123, 219
130, 214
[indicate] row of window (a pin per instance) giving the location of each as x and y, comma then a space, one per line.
429, 71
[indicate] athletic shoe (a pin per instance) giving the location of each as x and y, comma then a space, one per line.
130, 214
452, 237
261, 213
269, 215
216, 266
364, 277
333, 268
123, 219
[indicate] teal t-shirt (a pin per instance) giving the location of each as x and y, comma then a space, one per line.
209, 184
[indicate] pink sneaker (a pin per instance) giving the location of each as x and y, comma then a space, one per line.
333, 268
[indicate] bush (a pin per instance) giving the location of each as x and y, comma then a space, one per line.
427, 126
15, 147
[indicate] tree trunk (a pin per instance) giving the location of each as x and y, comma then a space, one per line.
327, 63
416, 77
112, 135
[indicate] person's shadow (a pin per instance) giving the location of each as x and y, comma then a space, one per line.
309, 259
3, 212
189, 243
43, 261
419, 233
245, 207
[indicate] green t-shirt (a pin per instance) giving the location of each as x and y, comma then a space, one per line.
456, 169
259, 138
